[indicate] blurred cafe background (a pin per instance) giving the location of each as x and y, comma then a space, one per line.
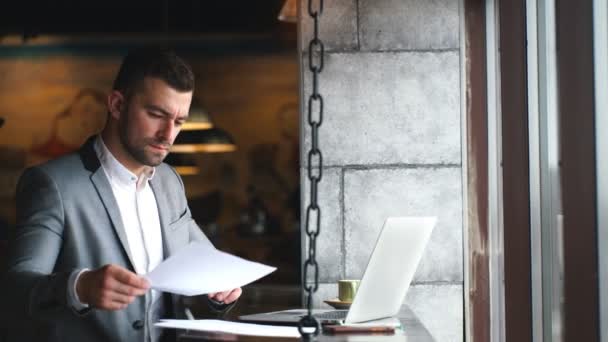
238, 156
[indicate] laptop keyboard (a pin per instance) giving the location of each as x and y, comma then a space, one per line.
337, 314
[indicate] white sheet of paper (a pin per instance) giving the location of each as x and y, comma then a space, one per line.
212, 325
200, 268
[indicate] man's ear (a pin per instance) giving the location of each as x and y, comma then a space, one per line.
116, 103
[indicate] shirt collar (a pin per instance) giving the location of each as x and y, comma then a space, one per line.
117, 172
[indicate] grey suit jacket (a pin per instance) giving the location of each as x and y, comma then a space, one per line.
67, 220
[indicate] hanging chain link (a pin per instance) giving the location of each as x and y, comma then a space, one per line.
316, 51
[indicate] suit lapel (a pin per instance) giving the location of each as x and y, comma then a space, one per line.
104, 190
160, 194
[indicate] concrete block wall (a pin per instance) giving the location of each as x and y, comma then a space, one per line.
391, 143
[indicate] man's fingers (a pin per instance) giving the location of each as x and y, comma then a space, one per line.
125, 289
226, 296
233, 295
219, 296
129, 278
109, 300
120, 298
110, 287
110, 283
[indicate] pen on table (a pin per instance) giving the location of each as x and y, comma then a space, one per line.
189, 314
341, 329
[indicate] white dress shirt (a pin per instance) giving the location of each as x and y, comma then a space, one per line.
139, 213
138, 210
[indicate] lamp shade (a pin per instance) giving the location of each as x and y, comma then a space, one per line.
197, 118
289, 11
182, 164
212, 140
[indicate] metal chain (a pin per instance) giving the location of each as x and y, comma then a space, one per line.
316, 51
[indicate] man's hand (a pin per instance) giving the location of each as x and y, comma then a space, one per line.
226, 297
110, 287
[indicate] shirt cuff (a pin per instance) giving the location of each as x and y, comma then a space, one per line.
73, 300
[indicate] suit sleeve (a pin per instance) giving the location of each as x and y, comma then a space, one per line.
32, 290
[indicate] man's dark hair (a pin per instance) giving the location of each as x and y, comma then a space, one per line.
153, 62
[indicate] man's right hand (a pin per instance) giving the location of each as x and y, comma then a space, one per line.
110, 287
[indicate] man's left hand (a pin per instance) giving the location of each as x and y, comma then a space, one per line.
226, 297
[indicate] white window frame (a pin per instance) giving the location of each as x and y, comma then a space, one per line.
545, 189
495, 181
600, 54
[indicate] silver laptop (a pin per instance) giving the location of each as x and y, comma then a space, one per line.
385, 281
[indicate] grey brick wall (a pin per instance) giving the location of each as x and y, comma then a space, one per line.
391, 143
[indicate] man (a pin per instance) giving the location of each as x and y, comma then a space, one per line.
90, 224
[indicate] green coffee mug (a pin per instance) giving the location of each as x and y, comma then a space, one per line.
347, 288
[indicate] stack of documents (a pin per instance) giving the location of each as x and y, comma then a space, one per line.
199, 268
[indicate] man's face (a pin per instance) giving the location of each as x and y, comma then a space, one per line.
151, 119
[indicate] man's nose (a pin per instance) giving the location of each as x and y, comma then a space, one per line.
167, 131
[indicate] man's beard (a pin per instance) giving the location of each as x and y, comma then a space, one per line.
139, 152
